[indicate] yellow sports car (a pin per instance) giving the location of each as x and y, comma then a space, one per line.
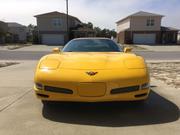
92, 70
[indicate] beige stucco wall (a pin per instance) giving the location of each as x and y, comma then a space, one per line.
140, 24
44, 23
123, 25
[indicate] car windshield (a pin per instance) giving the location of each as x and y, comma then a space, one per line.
92, 45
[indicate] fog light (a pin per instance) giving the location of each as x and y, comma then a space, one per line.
145, 86
39, 86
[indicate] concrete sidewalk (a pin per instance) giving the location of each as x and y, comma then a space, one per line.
164, 48
38, 48
22, 114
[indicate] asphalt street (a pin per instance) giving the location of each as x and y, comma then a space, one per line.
35, 55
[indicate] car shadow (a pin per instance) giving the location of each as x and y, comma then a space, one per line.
156, 110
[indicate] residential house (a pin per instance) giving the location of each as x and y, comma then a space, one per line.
17, 33
3, 31
145, 28
52, 27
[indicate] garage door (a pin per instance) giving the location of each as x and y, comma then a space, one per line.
144, 38
52, 39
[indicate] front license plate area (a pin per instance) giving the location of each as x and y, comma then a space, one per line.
91, 89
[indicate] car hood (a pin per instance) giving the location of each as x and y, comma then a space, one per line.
94, 61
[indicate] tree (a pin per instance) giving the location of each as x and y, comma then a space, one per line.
113, 33
97, 31
105, 32
87, 25
90, 25
32, 34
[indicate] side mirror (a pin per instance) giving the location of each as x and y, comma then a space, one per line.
56, 50
127, 49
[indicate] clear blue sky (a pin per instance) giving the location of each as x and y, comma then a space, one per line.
102, 13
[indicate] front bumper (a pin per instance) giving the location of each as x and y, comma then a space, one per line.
131, 96
108, 96
92, 89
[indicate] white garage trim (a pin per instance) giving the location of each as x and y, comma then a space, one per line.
53, 39
144, 38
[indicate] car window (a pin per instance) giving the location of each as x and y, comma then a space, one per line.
92, 45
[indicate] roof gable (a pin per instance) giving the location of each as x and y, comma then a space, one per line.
56, 13
50, 13
140, 14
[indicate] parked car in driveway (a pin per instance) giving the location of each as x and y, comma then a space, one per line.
92, 70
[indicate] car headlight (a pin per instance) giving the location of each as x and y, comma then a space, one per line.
50, 64
135, 63
39, 86
145, 86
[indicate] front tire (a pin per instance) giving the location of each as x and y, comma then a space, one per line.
46, 103
141, 102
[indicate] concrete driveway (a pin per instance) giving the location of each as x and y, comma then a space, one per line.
22, 114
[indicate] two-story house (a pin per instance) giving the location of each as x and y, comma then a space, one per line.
52, 27
18, 33
145, 28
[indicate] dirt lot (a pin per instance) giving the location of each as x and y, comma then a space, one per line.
166, 72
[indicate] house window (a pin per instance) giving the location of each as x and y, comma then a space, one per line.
56, 22
150, 22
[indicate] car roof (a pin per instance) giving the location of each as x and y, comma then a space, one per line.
92, 38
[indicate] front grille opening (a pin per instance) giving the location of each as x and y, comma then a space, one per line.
141, 95
42, 95
125, 90
58, 90
39, 86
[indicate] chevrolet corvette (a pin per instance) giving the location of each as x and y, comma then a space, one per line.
92, 70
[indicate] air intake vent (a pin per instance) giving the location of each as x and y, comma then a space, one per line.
125, 90
58, 90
